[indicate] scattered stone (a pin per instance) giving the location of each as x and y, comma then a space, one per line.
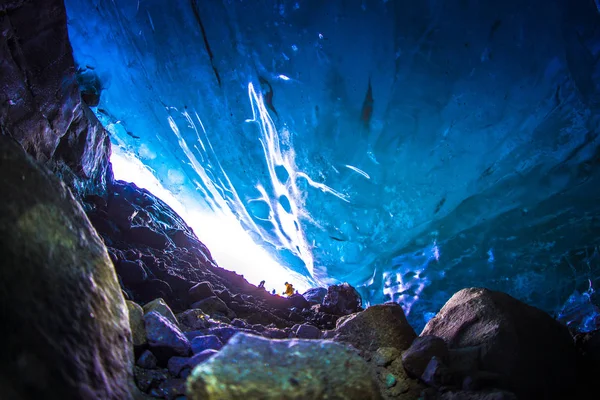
418, 355
200, 291
148, 378
201, 343
315, 295
193, 319
202, 356
223, 333
147, 360
384, 356
165, 338
239, 323
172, 388
225, 295
176, 364
390, 380
306, 331
298, 369
378, 326
533, 352
213, 305
298, 301
342, 300
131, 272
136, 322
159, 306
436, 374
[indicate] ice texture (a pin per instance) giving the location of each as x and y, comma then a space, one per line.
410, 148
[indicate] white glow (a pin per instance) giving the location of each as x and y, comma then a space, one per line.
231, 246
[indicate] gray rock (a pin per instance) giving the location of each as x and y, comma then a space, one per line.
177, 365
62, 308
383, 325
297, 369
315, 295
384, 356
342, 300
418, 355
306, 331
437, 374
147, 360
201, 343
542, 358
161, 307
147, 378
170, 389
164, 338
213, 305
193, 319
200, 291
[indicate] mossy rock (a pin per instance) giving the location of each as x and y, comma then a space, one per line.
136, 321
252, 367
161, 307
65, 324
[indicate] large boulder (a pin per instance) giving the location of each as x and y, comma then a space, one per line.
297, 369
532, 353
383, 325
65, 332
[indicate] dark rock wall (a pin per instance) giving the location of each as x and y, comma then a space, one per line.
40, 103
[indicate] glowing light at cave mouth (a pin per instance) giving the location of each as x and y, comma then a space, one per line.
230, 245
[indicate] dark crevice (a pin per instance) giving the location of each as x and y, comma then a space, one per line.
196, 12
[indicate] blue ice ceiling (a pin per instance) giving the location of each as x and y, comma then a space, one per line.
411, 148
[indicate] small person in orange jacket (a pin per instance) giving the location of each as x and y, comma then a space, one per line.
289, 289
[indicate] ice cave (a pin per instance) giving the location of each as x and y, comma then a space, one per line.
408, 148
396, 151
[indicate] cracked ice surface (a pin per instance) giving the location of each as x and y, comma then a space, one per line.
475, 161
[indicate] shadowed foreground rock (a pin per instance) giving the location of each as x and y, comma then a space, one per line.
532, 354
65, 324
251, 367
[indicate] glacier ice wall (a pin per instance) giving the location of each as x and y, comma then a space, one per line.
409, 148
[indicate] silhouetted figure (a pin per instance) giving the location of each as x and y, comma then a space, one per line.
289, 289
261, 285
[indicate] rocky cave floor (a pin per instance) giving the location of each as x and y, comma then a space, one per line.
187, 314
198, 331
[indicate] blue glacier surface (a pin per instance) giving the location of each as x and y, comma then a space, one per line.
410, 148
